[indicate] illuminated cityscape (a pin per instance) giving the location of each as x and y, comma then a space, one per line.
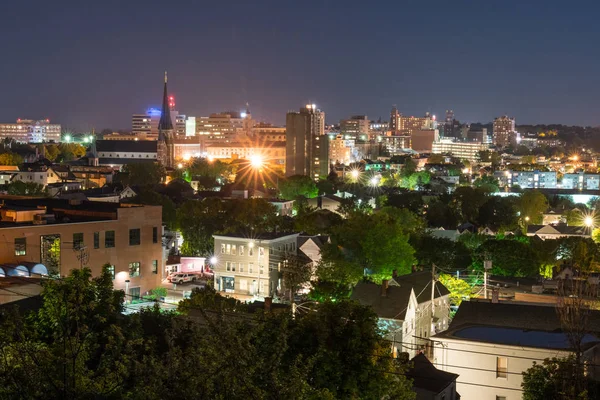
221, 200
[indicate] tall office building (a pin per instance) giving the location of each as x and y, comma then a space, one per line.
409, 125
394, 120
504, 131
31, 131
306, 146
356, 127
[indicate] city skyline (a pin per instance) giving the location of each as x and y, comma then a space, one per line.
95, 65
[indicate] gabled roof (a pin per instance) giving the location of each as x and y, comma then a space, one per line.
559, 229
394, 303
319, 240
427, 377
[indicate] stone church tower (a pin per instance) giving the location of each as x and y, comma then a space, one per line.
165, 153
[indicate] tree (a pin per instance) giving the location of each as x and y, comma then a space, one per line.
20, 188
298, 186
436, 159
498, 213
487, 183
509, 258
318, 222
144, 174
10, 158
71, 151
51, 152
448, 255
554, 379
467, 201
169, 209
459, 289
532, 204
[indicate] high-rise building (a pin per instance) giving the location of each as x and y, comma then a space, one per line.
394, 120
463, 150
504, 131
409, 125
147, 124
306, 145
449, 117
31, 131
356, 127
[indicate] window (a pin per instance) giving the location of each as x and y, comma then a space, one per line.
109, 239
227, 266
134, 237
77, 241
155, 267
251, 267
233, 249
501, 367
111, 270
228, 249
134, 293
155, 234
233, 267
261, 269
96, 240
271, 250
20, 246
241, 250
222, 249
241, 266
250, 251
134, 269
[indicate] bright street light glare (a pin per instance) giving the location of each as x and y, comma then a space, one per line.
589, 221
213, 260
256, 161
354, 173
374, 181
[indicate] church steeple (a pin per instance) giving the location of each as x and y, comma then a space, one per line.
165, 122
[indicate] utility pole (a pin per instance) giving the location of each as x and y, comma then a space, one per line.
487, 265
432, 291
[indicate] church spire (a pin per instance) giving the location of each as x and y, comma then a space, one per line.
165, 122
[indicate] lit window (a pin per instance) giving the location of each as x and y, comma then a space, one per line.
501, 367
111, 270
155, 267
20, 246
134, 269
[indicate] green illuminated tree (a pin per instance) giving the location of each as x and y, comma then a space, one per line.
459, 289
298, 186
10, 158
532, 204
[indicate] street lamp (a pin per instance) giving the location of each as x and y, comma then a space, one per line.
256, 161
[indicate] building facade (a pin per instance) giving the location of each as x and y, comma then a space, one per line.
356, 127
252, 266
306, 145
527, 179
504, 132
64, 235
31, 131
463, 150
422, 140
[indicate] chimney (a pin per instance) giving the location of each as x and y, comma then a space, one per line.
384, 288
268, 301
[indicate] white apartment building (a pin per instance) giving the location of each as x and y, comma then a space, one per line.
251, 266
463, 150
30, 131
581, 181
527, 179
490, 345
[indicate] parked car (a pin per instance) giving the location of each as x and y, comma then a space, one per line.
182, 278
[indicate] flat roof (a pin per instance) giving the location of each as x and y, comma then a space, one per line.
520, 337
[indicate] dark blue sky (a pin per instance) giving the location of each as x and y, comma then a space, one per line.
84, 63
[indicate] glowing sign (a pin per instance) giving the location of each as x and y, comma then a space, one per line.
153, 112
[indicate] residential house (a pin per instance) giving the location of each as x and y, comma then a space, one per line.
327, 202
557, 231
251, 266
431, 383
285, 208
42, 175
405, 310
491, 344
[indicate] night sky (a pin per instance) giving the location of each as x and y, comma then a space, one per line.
96, 64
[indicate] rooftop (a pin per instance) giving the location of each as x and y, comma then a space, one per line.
427, 377
257, 236
514, 324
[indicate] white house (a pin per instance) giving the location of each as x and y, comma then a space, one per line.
404, 307
251, 266
43, 176
490, 345
557, 231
